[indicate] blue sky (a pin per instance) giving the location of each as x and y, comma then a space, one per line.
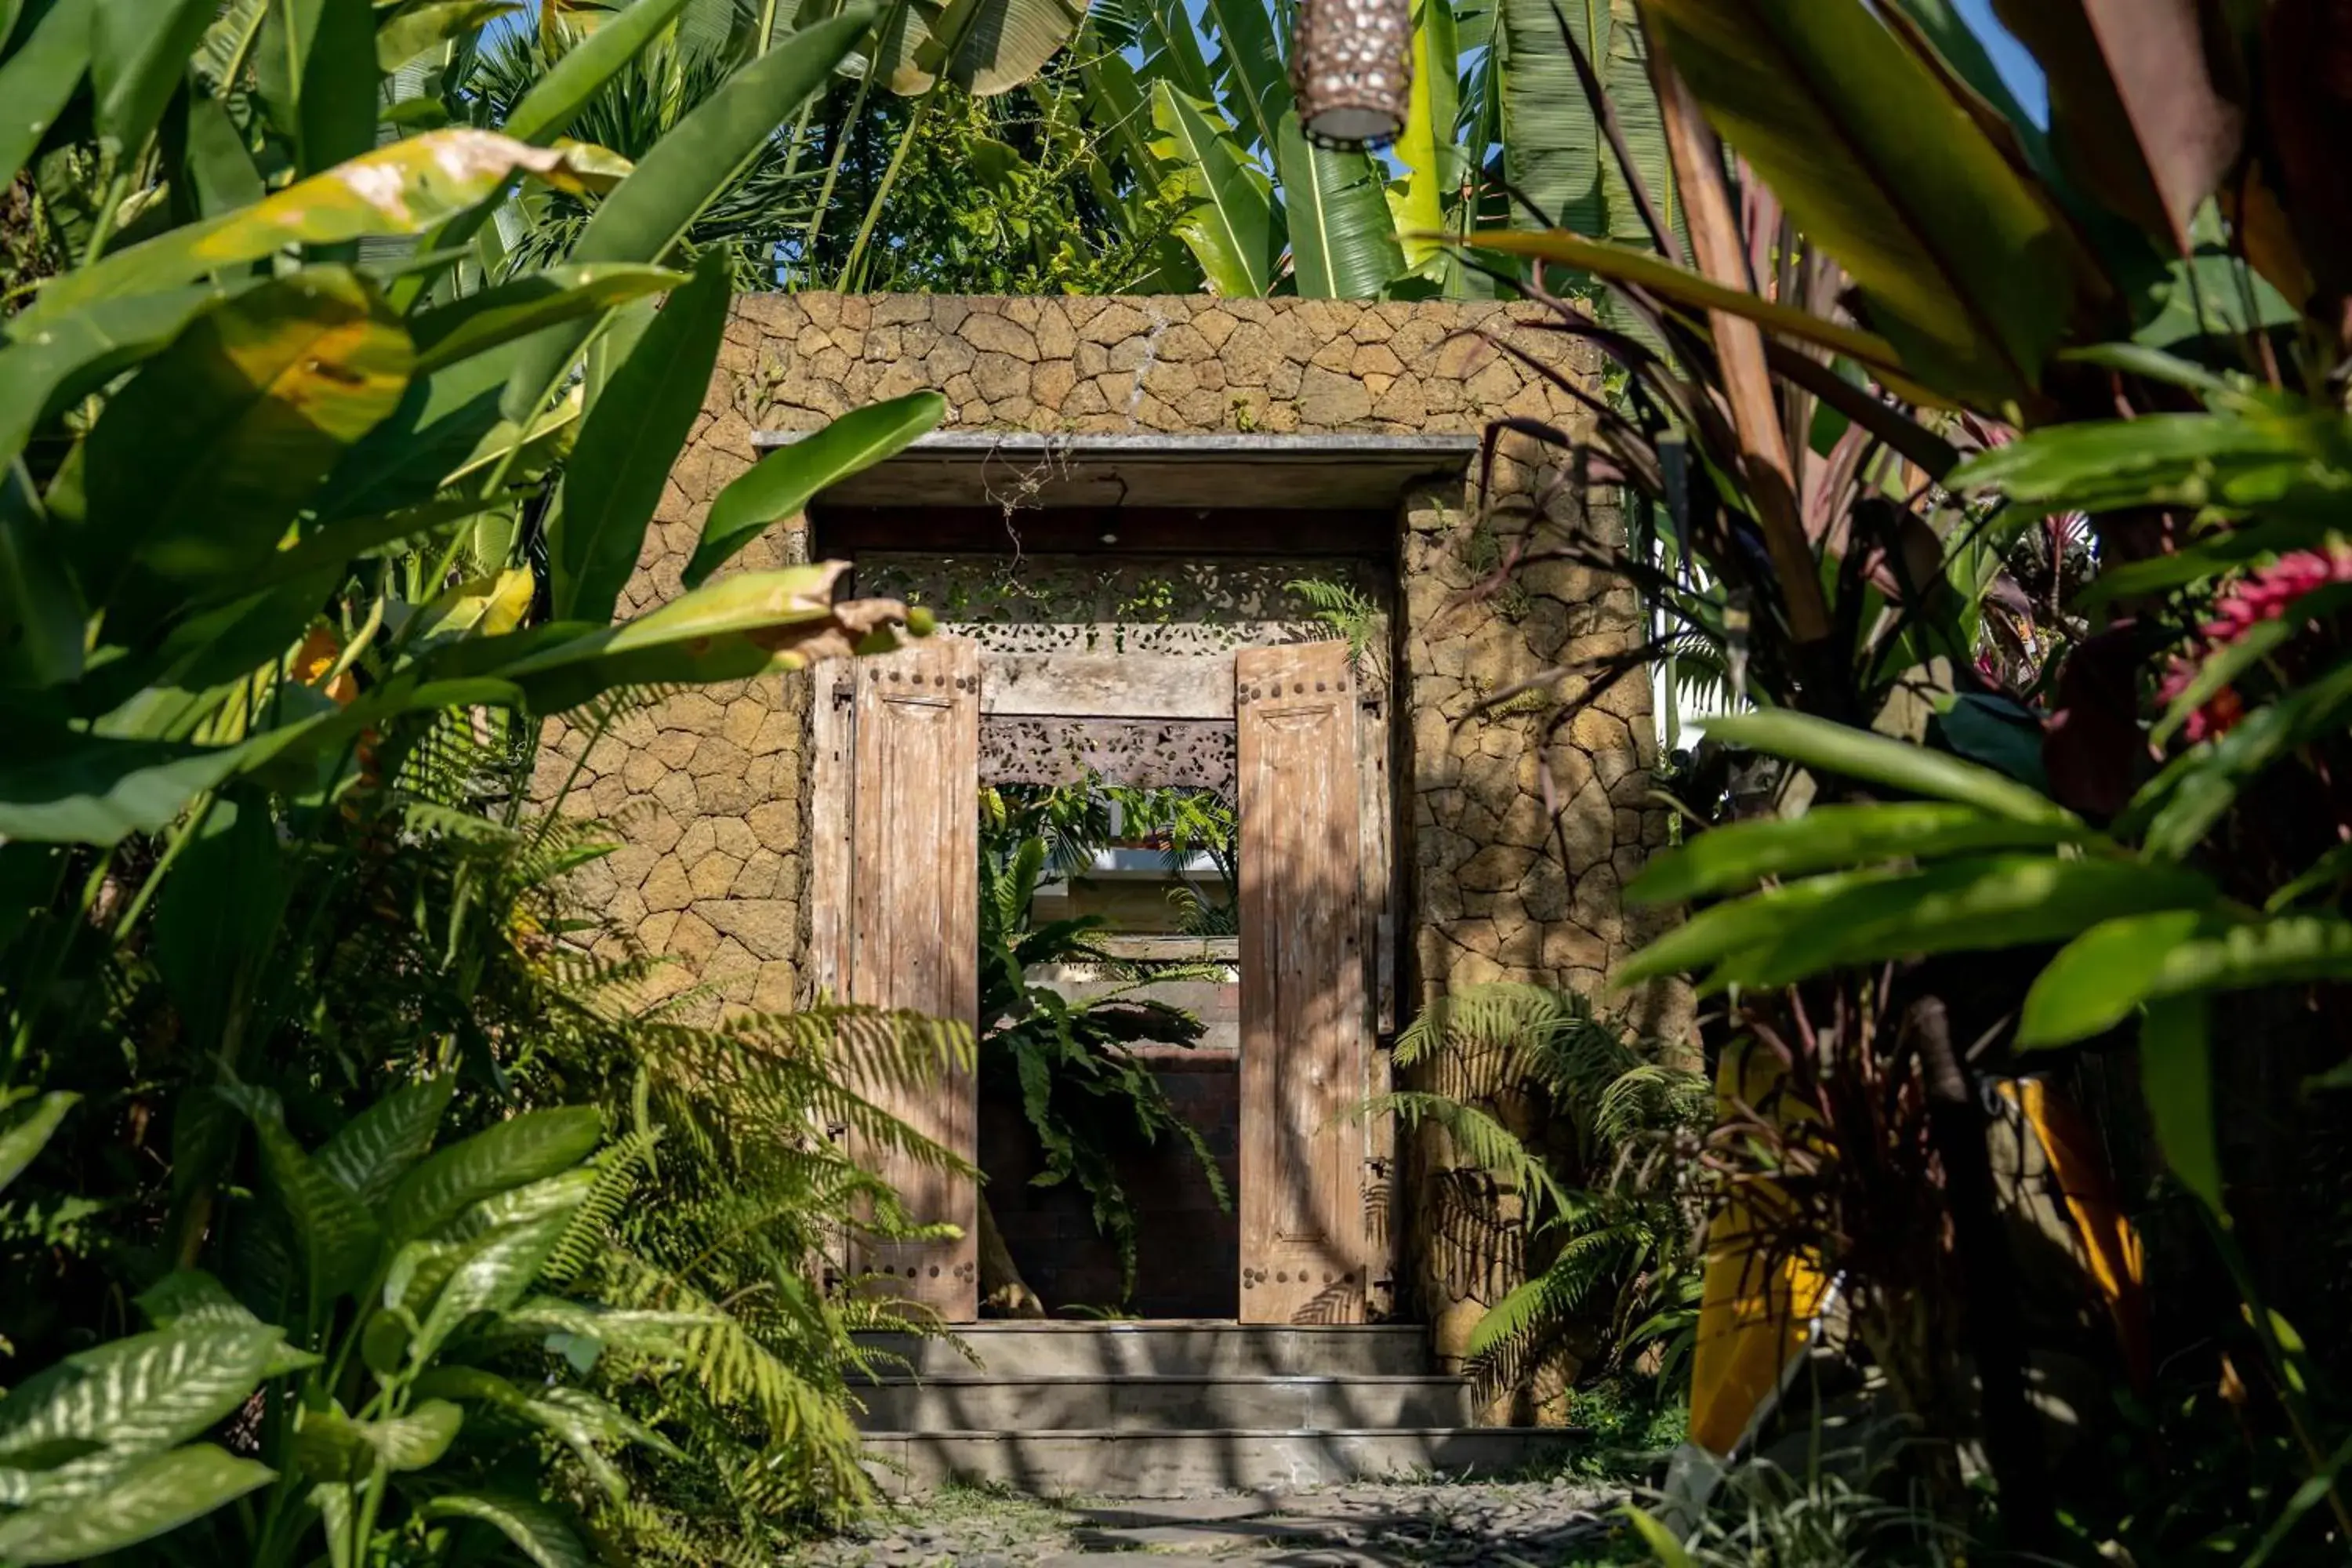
2008, 58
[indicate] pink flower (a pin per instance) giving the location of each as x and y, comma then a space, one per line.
2267, 593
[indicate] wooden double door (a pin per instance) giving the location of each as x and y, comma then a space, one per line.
895, 900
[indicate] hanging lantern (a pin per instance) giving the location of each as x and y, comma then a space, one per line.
1352, 67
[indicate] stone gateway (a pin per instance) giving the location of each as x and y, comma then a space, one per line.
1110, 519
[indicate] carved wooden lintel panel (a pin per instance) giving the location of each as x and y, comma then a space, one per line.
1144, 753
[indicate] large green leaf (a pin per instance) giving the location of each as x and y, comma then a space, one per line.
377, 1147
328, 1446
403, 188
139, 56
413, 29
2288, 950
1868, 758
750, 623
228, 43
191, 1297
535, 1530
636, 428
494, 1272
1964, 264
197, 468
415, 1275
42, 619
337, 1234
315, 70
1786, 933
1827, 838
165, 689
222, 918
1963, 905
985, 46
1715, 934
67, 787
1232, 226
2254, 455
1683, 287
1343, 242
2176, 1078
519, 1150
138, 1395
522, 306
1942, 25
25, 1128
2101, 977
38, 79
149, 1498
562, 1192
1427, 148
649, 212
547, 109
1250, 73
1625, 77
444, 426
1552, 150
47, 369
782, 483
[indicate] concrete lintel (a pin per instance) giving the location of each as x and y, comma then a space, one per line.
1339, 472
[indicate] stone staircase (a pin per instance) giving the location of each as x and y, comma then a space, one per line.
1175, 1409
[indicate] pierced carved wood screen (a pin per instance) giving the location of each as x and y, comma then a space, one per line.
1305, 1050
912, 938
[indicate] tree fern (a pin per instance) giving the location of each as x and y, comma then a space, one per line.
1477, 1136
712, 1229
1607, 1233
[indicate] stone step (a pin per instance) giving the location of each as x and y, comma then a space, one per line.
961, 1402
1020, 1350
1147, 1464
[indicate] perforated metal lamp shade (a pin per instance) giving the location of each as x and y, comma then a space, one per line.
1351, 68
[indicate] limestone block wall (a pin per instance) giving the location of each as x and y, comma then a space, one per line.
709, 787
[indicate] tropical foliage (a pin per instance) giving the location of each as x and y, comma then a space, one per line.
1592, 1130
2022, 445
1088, 1099
310, 518
1145, 147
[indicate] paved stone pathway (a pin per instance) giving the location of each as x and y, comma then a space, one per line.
1533, 1524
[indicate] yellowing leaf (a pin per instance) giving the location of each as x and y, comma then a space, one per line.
403, 188
584, 168
482, 606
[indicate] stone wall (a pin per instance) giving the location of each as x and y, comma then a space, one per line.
709, 787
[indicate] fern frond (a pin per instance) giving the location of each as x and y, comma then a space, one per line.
1477, 1136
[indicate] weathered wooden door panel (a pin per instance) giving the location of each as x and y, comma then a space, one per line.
913, 937
1305, 1036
